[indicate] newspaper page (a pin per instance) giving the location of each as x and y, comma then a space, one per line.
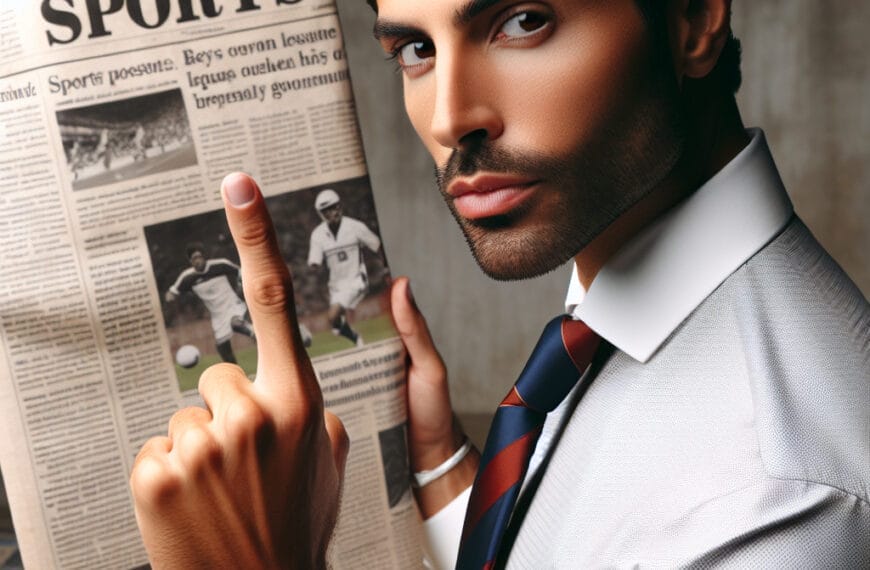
119, 282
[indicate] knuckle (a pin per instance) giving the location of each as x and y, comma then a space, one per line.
436, 367
215, 374
439, 369
186, 418
245, 421
254, 233
198, 451
271, 292
221, 370
337, 432
153, 483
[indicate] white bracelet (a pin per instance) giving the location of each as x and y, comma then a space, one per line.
423, 478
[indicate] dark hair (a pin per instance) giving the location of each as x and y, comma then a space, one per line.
193, 247
727, 68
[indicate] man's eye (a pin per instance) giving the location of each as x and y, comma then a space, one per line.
415, 53
524, 24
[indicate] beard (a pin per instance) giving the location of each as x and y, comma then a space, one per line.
579, 194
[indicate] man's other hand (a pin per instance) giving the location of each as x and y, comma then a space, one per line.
434, 434
254, 481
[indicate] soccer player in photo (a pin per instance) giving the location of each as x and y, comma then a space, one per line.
215, 282
337, 241
103, 151
139, 152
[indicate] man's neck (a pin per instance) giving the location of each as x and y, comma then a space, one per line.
717, 138
333, 227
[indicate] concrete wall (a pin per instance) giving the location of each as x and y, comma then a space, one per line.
806, 81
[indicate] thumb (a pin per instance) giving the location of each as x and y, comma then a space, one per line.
339, 439
414, 332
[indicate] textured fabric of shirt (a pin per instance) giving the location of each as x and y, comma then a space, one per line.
743, 442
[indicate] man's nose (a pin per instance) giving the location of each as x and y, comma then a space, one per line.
465, 102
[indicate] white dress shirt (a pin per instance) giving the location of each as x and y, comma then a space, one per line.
636, 302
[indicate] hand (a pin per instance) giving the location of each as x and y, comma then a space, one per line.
254, 481
434, 433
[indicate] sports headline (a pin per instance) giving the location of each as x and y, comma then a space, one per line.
66, 85
68, 19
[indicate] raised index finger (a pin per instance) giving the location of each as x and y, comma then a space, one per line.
283, 367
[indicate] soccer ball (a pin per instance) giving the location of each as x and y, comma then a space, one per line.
187, 356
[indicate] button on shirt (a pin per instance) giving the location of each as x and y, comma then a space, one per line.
730, 426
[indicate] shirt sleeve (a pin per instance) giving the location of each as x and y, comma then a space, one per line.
227, 267
367, 236
181, 285
315, 249
441, 533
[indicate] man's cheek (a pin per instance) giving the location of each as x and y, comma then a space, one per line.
419, 107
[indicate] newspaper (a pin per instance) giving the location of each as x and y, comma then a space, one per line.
118, 278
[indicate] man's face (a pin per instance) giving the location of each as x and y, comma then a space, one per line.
197, 260
332, 214
546, 120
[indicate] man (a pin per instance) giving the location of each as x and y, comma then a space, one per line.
75, 159
103, 150
727, 424
139, 152
338, 241
214, 282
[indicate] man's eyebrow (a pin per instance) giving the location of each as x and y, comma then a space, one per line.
467, 12
462, 16
386, 29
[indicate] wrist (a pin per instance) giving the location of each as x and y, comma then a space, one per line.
420, 479
429, 453
439, 492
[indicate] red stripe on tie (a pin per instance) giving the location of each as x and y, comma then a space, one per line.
513, 398
502, 472
580, 342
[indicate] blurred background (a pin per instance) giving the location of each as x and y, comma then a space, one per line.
806, 82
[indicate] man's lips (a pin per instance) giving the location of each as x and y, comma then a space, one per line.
487, 195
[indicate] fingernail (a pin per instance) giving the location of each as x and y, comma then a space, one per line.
239, 189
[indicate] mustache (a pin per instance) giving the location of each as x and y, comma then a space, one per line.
467, 160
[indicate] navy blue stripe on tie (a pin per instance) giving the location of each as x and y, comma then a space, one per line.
561, 356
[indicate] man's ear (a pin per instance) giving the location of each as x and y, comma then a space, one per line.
699, 30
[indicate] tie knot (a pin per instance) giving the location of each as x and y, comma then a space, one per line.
563, 353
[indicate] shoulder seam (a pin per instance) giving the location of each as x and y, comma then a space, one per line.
860, 499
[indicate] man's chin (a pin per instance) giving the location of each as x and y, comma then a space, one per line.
524, 244
514, 273
512, 258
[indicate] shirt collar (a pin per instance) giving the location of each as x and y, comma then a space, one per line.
655, 281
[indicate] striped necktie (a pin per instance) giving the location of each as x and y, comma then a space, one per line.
561, 356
